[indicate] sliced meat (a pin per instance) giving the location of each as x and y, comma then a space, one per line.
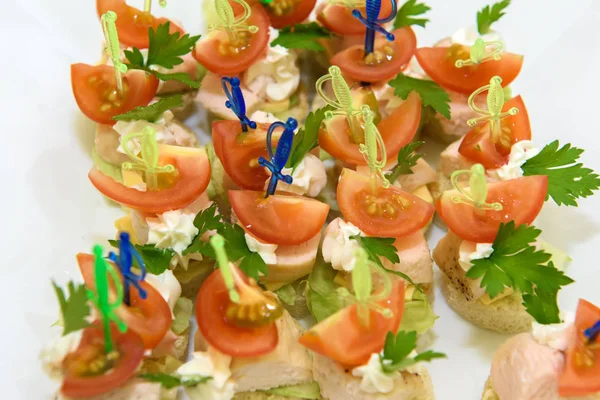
451, 160
293, 262
107, 141
415, 258
423, 174
189, 66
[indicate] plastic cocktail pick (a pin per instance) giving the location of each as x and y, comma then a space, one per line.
593, 333
477, 195
282, 153
479, 53
373, 147
495, 102
148, 5
236, 102
229, 23
373, 24
148, 162
127, 252
112, 48
348, 3
218, 244
102, 270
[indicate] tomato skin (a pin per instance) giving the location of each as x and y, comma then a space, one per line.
301, 11
339, 18
150, 318
396, 130
130, 348
522, 200
478, 147
351, 60
344, 339
141, 90
413, 214
235, 341
436, 62
283, 218
581, 381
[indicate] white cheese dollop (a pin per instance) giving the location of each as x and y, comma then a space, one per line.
184, 260
266, 251
172, 229
309, 177
55, 352
214, 364
263, 117
167, 285
470, 251
555, 336
339, 249
374, 380
467, 36
520, 152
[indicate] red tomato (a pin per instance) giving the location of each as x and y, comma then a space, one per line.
343, 338
133, 24
438, 63
288, 13
218, 55
95, 91
239, 152
284, 218
352, 60
396, 130
478, 146
521, 199
577, 380
211, 305
339, 19
150, 318
80, 383
393, 213
191, 179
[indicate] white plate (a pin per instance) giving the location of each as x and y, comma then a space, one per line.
51, 211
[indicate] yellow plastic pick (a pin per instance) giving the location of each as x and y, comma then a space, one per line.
112, 49
228, 23
373, 147
218, 244
148, 162
479, 53
349, 3
478, 189
148, 5
495, 102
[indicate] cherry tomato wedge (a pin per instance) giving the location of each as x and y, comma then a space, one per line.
211, 305
216, 52
133, 24
438, 63
396, 130
395, 55
150, 318
77, 384
239, 152
393, 213
283, 218
343, 338
284, 13
521, 199
338, 18
95, 91
577, 380
191, 179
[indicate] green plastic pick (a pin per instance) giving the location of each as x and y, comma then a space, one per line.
112, 49
478, 189
373, 146
479, 53
102, 270
148, 162
352, 4
218, 244
495, 102
148, 5
229, 23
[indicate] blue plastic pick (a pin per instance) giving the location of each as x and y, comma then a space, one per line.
592, 333
282, 153
373, 23
236, 102
124, 261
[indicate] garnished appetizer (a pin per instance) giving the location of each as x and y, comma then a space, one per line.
555, 361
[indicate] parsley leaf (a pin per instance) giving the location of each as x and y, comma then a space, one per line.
407, 158
151, 112
397, 349
253, 265
182, 77
488, 15
302, 36
156, 260
378, 247
567, 180
306, 138
409, 10
430, 92
75, 308
206, 220
170, 381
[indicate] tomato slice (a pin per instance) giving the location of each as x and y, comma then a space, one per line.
579, 380
343, 338
438, 63
218, 55
478, 146
191, 179
133, 24
352, 60
396, 130
239, 152
284, 13
521, 199
283, 218
338, 18
76, 384
211, 305
95, 91
393, 213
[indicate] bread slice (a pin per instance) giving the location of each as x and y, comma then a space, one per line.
490, 394
262, 396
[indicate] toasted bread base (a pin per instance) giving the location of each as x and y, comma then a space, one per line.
490, 394
262, 396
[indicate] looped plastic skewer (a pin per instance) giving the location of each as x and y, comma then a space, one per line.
282, 153
236, 102
218, 244
124, 261
112, 49
478, 189
373, 24
228, 23
373, 146
348, 3
592, 333
479, 53
148, 5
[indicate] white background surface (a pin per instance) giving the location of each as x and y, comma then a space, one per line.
50, 211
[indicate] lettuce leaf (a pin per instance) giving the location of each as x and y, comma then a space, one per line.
195, 269
287, 294
183, 312
106, 168
322, 296
309, 391
418, 315
559, 257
